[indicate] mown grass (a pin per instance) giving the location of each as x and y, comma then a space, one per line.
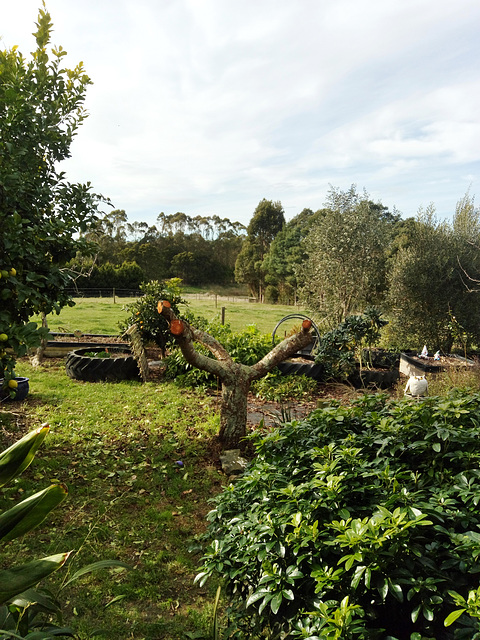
102, 315
116, 446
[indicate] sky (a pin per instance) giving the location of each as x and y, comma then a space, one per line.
208, 106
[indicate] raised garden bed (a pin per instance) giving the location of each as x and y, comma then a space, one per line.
374, 378
412, 365
64, 343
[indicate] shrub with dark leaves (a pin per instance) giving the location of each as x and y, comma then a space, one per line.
359, 522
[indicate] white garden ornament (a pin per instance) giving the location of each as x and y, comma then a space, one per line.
417, 386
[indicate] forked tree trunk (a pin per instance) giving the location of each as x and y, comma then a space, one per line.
233, 406
235, 377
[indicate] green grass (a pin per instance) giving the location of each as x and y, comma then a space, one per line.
102, 315
116, 447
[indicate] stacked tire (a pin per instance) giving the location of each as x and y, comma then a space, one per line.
81, 366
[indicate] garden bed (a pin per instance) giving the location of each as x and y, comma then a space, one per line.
412, 364
64, 343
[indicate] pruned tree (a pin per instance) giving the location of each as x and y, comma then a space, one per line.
234, 376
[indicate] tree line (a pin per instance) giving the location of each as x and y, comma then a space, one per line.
350, 254
354, 253
199, 250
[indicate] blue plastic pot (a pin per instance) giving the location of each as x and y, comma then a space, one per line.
21, 392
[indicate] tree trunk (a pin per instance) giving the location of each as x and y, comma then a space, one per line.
233, 406
235, 377
36, 360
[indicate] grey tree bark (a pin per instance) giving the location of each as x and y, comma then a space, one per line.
234, 376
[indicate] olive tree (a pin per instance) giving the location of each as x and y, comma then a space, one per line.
41, 213
430, 298
345, 264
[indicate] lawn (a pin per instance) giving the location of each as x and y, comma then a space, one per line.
102, 315
140, 466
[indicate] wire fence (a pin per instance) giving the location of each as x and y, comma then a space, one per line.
104, 293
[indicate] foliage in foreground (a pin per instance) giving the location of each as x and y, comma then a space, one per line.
16, 583
359, 522
26, 611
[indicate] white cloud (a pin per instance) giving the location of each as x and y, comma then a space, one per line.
208, 106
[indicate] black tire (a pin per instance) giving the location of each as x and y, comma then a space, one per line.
375, 378
315, 371
82, 367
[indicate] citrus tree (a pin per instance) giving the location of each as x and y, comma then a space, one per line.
41, 213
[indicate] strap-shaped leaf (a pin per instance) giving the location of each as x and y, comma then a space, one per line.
14, 581
96, 566
29, 513
15, 459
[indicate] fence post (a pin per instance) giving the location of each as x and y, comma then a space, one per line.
113, 295
223, 315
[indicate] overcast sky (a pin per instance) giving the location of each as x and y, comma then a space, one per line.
208, 106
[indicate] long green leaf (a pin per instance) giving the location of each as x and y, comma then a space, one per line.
29, 513
215, 624
453, 616
101, 564
34, 596
15, 459
14, 581
10, 634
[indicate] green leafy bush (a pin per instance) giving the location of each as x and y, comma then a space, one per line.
247, 346
339, 349
359, 522
143, 312
277, 388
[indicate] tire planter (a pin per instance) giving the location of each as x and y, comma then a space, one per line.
374, 378
80, 366
315, 371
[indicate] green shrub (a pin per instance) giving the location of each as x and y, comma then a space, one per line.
143, 312
359, 522
277, 388
339, 349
